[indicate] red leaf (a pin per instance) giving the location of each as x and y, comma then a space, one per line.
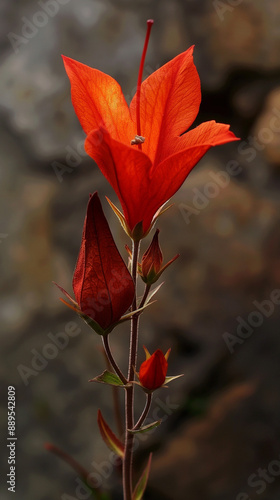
109, 437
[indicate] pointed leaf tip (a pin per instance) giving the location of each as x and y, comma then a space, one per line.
108, 378
142, 483
171, 378
148, 355
146, 428
113, 443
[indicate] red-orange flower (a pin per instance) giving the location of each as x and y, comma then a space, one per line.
102, 284
152, 373
170, 97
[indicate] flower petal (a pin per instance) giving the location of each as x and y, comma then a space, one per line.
127, 170
211, 133
170, 99
98, 101
191, 147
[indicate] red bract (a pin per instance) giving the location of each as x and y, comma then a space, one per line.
170, 97
153, 371
102, 284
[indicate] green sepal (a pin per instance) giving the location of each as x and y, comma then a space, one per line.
151, 277
129, 315
93, 324
145, 428
171, 378
108, 378
152, 293
97, 328
120, 216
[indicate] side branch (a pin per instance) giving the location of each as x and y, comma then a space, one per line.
112, 359
144, 413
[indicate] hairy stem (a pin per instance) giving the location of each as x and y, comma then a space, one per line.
129, 403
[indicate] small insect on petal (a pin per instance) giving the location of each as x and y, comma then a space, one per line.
138, 140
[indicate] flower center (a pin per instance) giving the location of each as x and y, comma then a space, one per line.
138, 138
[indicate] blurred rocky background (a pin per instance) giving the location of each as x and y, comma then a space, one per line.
221, 440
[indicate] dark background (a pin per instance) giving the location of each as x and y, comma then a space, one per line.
224, 425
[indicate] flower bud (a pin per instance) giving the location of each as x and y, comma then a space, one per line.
151, 265
102, 284
153, 371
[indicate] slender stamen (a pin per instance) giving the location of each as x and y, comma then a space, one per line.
150, 23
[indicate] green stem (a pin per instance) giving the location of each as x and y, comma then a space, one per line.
129, 403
